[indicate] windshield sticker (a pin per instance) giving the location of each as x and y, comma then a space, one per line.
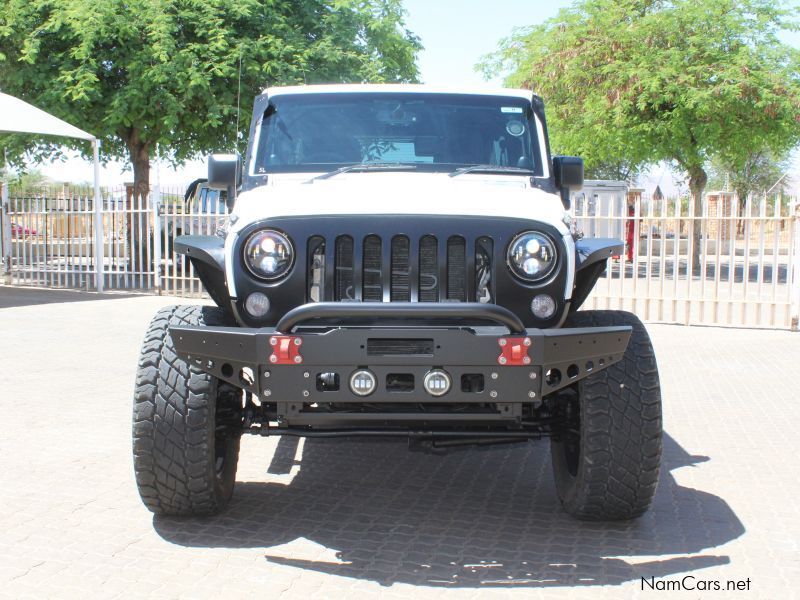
511, 109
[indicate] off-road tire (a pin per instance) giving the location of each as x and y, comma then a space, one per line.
182, 465
609, 471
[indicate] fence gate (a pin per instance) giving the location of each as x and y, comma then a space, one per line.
744, 272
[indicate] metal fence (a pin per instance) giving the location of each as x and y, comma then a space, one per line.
748, 275
748, 271
50, 240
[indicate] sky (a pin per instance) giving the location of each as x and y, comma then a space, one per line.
455, 35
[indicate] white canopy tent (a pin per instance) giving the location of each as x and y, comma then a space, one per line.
17, 116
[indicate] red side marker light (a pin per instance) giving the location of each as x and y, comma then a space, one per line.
514, 351
285, 350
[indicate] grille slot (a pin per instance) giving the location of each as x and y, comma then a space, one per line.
484, 249
372, 269
343, 282
428, 269
372, 281
400, 281
316, 268
457, 269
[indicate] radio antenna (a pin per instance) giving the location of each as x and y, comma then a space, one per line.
238, 97
238, 112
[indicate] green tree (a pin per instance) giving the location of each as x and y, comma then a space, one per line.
651, 80
619, 170
29, 182
160, 77
752, 172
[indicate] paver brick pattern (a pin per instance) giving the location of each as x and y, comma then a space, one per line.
366, 519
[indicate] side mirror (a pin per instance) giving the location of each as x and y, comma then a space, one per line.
224, 173
568, 173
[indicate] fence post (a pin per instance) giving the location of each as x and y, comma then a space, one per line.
155, 201
5, 233
795, 264
99, 250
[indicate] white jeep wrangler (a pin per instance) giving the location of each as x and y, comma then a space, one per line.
398, 261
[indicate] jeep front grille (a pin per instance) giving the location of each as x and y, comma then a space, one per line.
372, 269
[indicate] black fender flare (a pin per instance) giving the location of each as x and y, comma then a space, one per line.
207, 254
592, 250
207, 249
591, 255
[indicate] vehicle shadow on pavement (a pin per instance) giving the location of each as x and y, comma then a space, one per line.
474, 518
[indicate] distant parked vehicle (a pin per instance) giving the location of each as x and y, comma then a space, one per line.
200, 203
18, 230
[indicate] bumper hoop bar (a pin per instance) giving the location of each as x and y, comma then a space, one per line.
355, 311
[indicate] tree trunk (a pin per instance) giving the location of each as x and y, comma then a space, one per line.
140, 159
139, 232
741, 198
697, 184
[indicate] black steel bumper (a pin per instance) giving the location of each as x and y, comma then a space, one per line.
310, 362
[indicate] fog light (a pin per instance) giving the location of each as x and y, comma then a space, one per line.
257, 304
363, 382
437, 382
543, 306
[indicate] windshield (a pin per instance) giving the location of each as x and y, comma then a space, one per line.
437, 132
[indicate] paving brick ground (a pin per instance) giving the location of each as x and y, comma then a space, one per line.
369, 519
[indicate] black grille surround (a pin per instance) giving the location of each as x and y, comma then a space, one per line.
400, 258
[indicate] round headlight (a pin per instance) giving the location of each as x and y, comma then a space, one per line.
268, 254
532, 256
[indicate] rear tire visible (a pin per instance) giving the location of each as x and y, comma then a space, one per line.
186, 423
607, 460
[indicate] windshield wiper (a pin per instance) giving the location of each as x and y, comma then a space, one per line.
491, 169
376, 166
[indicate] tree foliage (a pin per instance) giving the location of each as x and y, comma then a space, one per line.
30, 182
648, 80
618, 170
761, 172
161, 76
